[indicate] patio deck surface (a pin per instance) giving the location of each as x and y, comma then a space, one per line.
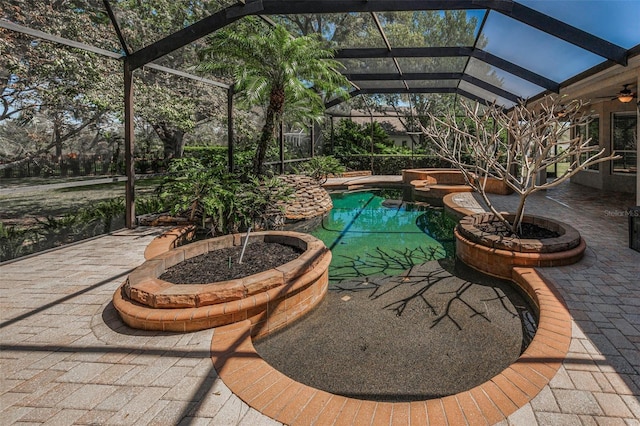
67, 359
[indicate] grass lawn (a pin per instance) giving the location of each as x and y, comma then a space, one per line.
560, 167
23, 208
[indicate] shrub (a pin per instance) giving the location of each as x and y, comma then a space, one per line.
320, 168
14, 241
149, 204
105, 212
221, 202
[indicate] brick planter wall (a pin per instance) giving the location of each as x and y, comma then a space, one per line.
269, 300
432, 185
499, 255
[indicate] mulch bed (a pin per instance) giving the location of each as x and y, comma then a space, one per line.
222, 265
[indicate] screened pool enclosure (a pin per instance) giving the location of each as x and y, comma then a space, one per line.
407, 53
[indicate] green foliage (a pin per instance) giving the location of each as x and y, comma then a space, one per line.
14, 241
222, 202
53, 231
290, 76
352, 147
56, 228
188, 187
352, 138
218, 155
321, 167
105, 212
149, 204
259, 203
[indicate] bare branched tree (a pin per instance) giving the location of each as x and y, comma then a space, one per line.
515, 146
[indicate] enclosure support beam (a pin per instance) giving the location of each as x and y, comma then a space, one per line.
130, 209
116, 27
193, 32
332, 134
230, 128
282, 147
439, 52
312, 135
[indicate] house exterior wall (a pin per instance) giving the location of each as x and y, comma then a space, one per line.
604, 178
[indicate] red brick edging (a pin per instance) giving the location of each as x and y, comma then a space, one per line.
499, 263
432, 185
285, 400
269, 300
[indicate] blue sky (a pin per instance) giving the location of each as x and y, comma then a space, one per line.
617, 21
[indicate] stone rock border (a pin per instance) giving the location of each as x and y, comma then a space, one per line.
310, 199
269, 300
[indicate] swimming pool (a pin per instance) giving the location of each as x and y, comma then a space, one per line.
370, 233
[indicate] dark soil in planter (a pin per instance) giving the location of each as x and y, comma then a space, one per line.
222, 265
529, 231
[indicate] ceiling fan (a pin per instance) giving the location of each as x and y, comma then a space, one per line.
625, 95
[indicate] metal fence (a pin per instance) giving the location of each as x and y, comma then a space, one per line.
86, 165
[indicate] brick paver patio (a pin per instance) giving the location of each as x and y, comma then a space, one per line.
67, 359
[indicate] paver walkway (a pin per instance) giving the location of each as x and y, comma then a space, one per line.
599, 381
67, 359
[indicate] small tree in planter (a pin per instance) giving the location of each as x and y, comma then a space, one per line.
514, 147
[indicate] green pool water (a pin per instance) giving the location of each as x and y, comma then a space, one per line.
370, 235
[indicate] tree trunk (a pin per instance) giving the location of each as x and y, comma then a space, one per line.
274, 113
57, 140
172, 140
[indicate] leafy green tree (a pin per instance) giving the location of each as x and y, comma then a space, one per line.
174, 107
69, 88
403, 29
321, 167
272, 69
80, 91
351, 138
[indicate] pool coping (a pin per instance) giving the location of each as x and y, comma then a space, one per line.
269, 391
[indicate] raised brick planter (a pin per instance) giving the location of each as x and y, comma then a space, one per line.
497, 256
269, 300
432, 185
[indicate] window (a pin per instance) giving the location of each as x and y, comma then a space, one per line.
624, 141
561, 167
591, 129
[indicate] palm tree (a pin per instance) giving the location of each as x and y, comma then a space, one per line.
273, 69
